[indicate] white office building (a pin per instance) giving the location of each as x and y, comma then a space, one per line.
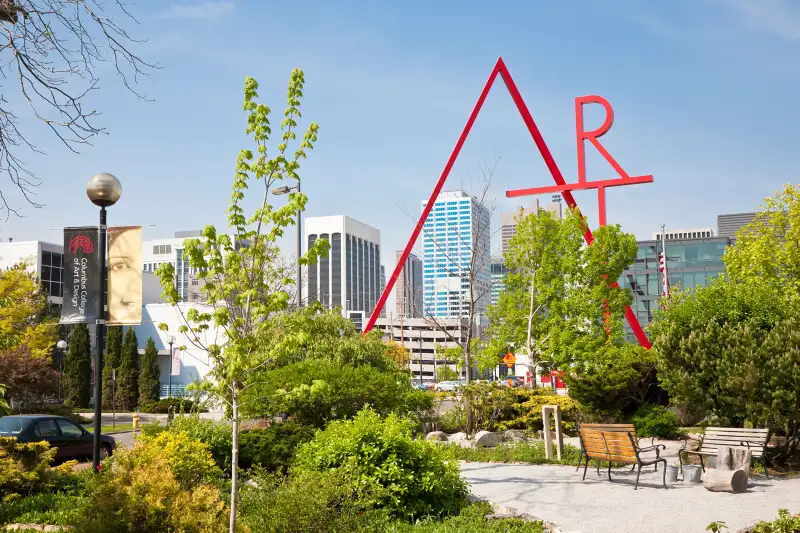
456, 229
350, 276
43, 258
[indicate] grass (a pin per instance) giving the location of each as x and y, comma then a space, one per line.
472, 519
520, 452
692, 429
109, 429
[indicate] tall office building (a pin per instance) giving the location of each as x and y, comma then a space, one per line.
350, 276
682, 234
728, 225
456, 229
408, 288
498, 271
509, 220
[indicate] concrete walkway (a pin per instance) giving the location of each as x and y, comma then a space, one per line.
557, 494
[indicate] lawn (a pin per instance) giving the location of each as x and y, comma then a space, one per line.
109, 429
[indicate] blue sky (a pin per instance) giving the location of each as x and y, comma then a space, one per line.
702, 90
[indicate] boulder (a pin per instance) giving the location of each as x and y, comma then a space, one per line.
513, 435
455, 437
486, 439
436, 435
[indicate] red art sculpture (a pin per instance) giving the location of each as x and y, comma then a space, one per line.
561, 185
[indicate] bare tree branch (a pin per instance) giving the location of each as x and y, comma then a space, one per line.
54, 52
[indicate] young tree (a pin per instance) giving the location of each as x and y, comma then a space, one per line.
53, 49
559, 305
150, 375
113, 341
238, 275
128, 373
4, 407
24, 316
78, 368
27, 377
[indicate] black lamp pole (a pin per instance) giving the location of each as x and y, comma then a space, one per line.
103, 190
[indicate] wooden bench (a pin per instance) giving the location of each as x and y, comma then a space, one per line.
621, 428
753, 439
617, 447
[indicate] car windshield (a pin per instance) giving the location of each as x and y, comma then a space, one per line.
13, 425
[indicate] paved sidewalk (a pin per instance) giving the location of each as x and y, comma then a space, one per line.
556, 494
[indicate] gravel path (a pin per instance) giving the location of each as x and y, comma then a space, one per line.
556, 494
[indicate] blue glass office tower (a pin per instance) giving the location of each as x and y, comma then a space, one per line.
456, 249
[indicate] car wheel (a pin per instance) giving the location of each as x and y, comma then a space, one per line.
105, 452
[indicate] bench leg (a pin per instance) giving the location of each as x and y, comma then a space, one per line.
680, 463
764, 463
580, 460
609, 471
598, 467
633, 467
664, 480
639, 473
702, 464
585, 466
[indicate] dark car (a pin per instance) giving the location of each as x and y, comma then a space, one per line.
71, 440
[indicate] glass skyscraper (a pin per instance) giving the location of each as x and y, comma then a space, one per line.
456, 247
690, 263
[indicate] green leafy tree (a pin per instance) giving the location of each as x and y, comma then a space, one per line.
128, 374
445, 373
240, 277
78, 368
559, 304
24, 313
113, 342
768, 249
149, 375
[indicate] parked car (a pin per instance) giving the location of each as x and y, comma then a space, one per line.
70, 439
448, 385
516, 381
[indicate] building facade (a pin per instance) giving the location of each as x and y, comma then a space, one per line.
350, 276
509, 220
456, 247
728, 225
498, 271
690, 263
682, 234
424, 341
408, 288
43, 258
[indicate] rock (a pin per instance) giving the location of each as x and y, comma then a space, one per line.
436, 435
513, 435
486, 439
455, 437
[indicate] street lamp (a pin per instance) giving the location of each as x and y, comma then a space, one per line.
278, 191
103, 190
62, 347
170, 341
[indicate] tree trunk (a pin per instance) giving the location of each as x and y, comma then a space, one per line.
734, 481
234, 458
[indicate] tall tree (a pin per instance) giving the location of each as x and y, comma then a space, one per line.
558, 305
111, 360
28, 378
78, 368
24, 316
149, 375
128, 373
238, 282
53, 49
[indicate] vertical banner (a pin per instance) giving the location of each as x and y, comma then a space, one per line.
82, 273
176, 361
125, 275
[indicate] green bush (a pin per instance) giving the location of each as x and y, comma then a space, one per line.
416, 477
272, 448
216, 435
453, 421
25, 468
518, 452
526, 412
472, 519
323, 502
178, 405
53, 508
655, 421
56, 410
785, 523
161, 484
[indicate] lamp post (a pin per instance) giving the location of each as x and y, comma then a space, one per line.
171, 341
61, 346
103, 190
277, 191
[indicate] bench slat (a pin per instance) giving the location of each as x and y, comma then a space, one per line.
754, 430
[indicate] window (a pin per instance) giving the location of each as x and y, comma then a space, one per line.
162, 249
69, 429
46, 428
336, 268
52, 272
312, 274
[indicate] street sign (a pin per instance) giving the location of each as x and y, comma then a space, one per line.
509, 359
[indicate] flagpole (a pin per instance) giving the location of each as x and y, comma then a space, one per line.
665, 281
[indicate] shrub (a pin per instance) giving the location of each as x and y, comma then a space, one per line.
518, 452
189, 460
785, 523
454, 420
472, 519
25, 467
215, 435
416, 477
54, 508
528, 413
655, 421
159, 485
272, 448
178, 405
55, 409
323, 502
